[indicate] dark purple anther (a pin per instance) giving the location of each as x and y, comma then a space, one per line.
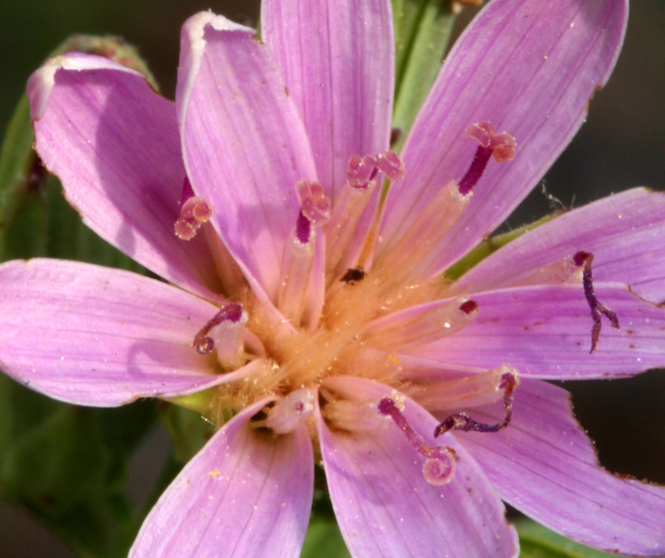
231, 312
462, 421
303, 228
187, 191
469, 307
478, 165
353, 275
598, 309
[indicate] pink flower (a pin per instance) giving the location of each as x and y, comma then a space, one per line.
317, 315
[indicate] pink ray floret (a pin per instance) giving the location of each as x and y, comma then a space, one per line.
309, 307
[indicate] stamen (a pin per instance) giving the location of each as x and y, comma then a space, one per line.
314, 204
439, 466
342, 247
421, 327
584, 259
288, 413
298, 255
462, 421
231, 312
446, 396
501, 146
438, 217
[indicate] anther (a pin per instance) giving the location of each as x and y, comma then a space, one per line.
439, 465
501, 146
353, 275
231, 312
462, 421
598, 309
413, 328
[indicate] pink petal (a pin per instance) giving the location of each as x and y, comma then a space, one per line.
101, 337
384, 505
245, 494
623, 233
114, 144
338, 61
545, 332
244, 143
528, 67
545, 466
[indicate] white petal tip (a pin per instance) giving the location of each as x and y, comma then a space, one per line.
42, 81
195, 26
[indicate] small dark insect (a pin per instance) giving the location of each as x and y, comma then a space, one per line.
354, 275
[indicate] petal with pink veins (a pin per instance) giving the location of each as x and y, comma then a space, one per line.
384, 505
528, 67
544, 465
545, 332
101, 337
114, 144
338, 61
246, 494
244, 143
623, 233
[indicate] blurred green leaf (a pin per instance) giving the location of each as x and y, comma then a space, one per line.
490, 245
422, 32
189, 430
324, 540
65, 464
538, 542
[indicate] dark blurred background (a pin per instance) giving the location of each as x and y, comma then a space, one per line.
622, 145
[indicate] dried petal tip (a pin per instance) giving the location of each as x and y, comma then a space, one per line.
231, 312
193, 213
314, 204
462, 421
439, 465
501, 146
598, 309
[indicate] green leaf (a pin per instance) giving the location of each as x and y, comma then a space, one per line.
66, 464
189, 430
490, 245
422, 32
324, 540
538, 542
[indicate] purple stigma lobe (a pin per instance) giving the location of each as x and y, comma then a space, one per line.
598, 309
463, 422
439, 465
231, 312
